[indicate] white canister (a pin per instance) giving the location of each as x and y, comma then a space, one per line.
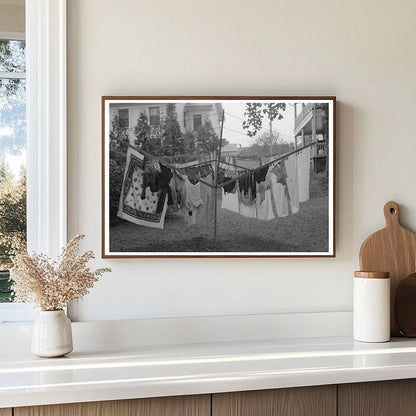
371, 307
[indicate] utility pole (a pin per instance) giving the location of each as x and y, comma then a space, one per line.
217, 168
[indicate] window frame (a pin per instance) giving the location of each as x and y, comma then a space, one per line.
46, 125
17, 311
124, 118
150, 116
194, 116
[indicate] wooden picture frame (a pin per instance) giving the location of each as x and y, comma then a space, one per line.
234, 141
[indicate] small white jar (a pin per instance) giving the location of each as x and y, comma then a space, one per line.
371, 313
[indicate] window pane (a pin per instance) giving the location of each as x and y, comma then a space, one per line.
197, 121
12, 174
12, 56
154, 116
123, 118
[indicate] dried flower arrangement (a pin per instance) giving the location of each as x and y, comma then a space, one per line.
53, 285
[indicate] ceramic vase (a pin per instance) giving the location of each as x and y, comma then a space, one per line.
52, 334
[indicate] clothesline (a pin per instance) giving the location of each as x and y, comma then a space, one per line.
172, 166
285, 156
216, 186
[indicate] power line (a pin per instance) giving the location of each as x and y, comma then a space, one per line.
239, 118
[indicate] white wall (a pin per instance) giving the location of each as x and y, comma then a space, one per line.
361, 51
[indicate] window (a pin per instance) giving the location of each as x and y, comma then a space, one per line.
46, 108
123, 118
12, 155
154, 116
197, 118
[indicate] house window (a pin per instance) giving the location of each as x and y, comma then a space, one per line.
154, 116
197, 118
12, 155
123, 118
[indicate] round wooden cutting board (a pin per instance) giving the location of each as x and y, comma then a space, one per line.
393, 250
405, 306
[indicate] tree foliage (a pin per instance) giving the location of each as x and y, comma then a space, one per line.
255, 112
172, 140
12, 213
118, 134
189, 142
207, 140
142, 133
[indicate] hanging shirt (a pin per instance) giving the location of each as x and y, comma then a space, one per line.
265, 209
193, 201
193, 198
292, 182
246, 206
279, 197
229, 187
260, 174
230, 201
280, 172
304, 173
205, 213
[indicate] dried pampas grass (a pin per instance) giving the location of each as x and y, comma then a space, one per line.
53, 285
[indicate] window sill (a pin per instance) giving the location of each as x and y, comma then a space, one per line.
16, 313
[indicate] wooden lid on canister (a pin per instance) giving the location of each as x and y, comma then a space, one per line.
372, 275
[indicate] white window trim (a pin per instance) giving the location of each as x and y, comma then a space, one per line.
46, 133
12, 35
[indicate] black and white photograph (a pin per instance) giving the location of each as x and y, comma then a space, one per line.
218, 176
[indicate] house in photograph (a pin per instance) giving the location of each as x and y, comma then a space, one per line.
191, 116
229, 152
311, 125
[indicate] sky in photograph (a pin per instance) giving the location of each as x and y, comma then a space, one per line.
233, 125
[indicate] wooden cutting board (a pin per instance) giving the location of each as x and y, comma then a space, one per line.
405, 306
393, 250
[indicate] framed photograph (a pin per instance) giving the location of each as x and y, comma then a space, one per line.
218, 176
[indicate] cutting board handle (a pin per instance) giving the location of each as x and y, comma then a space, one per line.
391, 213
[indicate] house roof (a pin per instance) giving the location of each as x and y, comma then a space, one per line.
230, 147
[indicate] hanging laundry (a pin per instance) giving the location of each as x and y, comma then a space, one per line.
150, 211
246, 206
230, 201
193, 201
278, 194
304, 170
292, 182
205, 214
260, 174
265, 209
229, 187
247, 186
174, 197
280, 172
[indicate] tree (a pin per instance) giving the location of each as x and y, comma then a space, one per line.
118, 134
6, 176
255, 112
172, 140
12, 214
268, 142
207, 140
189, 142
142, 132
116, 183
